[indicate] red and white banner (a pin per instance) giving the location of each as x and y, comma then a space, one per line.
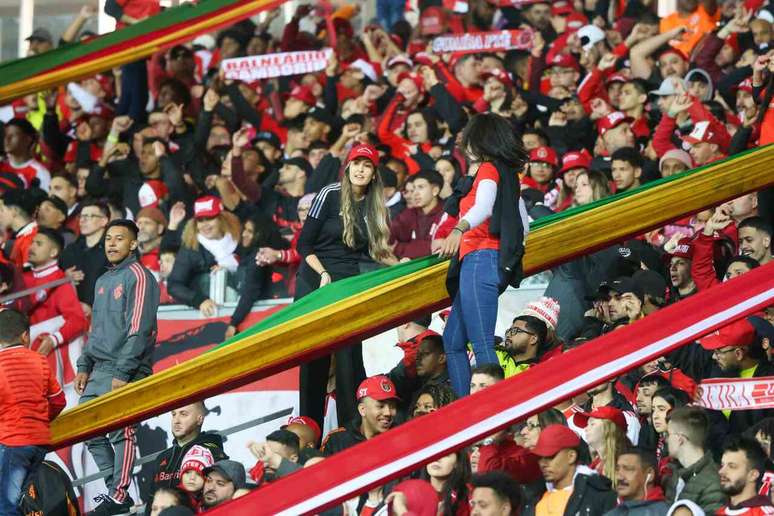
419, 441
267, 66
475, 42
736, 393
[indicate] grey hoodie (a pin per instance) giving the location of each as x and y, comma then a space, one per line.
123, 323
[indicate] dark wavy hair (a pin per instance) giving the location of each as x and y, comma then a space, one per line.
431, 119
489, 137
442, 395
455, 489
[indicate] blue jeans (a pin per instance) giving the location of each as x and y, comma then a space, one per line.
15, 463
389, 12
473, 317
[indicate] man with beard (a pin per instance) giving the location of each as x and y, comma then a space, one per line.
223, 479
755, 239
151, 222
187, 432
736, 353
377, 405
636, 486
741, 468
523, 342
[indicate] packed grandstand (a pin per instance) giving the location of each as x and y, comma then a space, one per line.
217, 220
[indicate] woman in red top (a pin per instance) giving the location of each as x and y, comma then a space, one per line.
491, 220
450, 477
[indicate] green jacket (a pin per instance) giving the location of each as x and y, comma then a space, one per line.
702, 484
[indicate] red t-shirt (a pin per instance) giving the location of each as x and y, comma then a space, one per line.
30, 397
478, 237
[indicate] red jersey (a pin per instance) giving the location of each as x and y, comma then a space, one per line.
478, 237
21, 244
30, 397
49, 303
28, 171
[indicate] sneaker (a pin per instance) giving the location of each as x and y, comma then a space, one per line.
109, 507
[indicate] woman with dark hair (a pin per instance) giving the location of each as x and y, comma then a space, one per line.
347, 221
430, 398
664, 401
450, 477
166, 497
450, 170
530, 432
486, 245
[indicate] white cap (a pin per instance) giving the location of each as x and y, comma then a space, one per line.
592, 34
205, 40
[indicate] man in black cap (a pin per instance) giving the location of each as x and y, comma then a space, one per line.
281, 199
319, 125
41, 41
52, 214
269, 143
223, 479
625, 300
653, 287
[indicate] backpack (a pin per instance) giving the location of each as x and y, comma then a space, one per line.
47, 491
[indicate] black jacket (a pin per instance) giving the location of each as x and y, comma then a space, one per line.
187, 282
166, 468
90, 260
592, 495
342, 438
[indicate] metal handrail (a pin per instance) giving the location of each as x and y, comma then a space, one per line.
79, 482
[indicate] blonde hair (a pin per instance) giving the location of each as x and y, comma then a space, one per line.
229, 224
615, 442
377, 218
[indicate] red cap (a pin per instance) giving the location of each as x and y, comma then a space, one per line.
399, 59
364, 150
106, 83
561, 7
738, 333
206, 207
575, 21
616, 77
565, 61
432, 21
304, 94
306, 421
581, 419
544, 154
746, 85
672, 50
377, 387
683, 249
576, 159
414, 77
553, 439
611, 121
704, 132
499, 74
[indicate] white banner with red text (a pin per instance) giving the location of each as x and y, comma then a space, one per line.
476, 42
268, 66
736, 393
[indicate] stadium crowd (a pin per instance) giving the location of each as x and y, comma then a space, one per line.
131, 188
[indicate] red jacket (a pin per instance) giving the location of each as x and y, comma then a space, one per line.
755, 506
412, 231
511, 458
52, 302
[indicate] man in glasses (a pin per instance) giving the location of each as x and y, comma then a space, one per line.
84, 260
523, 342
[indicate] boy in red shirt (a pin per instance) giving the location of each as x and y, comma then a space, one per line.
30, 397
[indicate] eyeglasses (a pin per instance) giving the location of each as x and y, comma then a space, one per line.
88, 216
532, 426
516, 330
723, 351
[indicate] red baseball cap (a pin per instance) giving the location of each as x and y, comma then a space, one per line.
553, 439
414, 77
364, 150
746, 85
499, 74
581, 419
561, 7
616, 77
611, 121
738, 333
544, 154
432, 21
683, 249
704, 132
377, 387
305, 421
206, 207
576, 159
304, 94
676, 51
575, 21
565, 61
399, 59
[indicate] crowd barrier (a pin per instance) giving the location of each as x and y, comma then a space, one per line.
259, 353
419, 441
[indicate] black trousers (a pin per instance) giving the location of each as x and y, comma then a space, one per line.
349, 369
